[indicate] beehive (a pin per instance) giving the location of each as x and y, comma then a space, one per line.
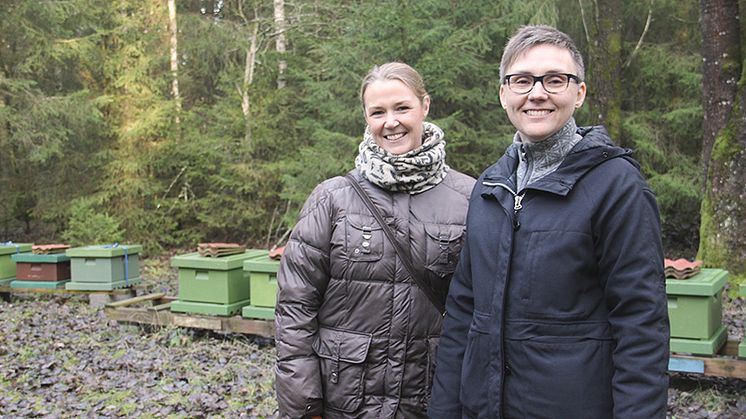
7, 265
41, 271
104, 267
263, 281
695, 312
213, 285
51, 267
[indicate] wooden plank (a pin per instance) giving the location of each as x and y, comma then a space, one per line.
160, 307
159, 315
237, 324
715, 367
136, 300
197, 321
139, 316
723, 367
730, 348
62, 290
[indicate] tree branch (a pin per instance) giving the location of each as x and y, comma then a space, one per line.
585, 25
642, 36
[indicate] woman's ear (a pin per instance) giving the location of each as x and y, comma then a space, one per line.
502, 100
426, 104
582, 88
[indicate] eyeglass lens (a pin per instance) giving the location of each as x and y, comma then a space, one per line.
552, 83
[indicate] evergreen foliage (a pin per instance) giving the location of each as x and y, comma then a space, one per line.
95, 149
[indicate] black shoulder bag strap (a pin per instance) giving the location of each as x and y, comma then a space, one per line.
406, 261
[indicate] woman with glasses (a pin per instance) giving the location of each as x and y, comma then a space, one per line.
558, 307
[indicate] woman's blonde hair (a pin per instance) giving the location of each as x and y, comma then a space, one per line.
395, 71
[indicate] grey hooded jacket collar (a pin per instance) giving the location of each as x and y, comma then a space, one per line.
594, 149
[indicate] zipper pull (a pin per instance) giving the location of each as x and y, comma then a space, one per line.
517, 207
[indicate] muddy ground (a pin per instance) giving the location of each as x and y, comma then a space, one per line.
60, 357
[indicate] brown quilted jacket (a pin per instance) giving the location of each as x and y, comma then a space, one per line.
355, 336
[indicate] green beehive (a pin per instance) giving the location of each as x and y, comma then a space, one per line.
209, 285
695, 312
263, 279
104, 267
7, 265
742, 346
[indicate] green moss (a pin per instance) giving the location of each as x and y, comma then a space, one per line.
711, 251
726, 144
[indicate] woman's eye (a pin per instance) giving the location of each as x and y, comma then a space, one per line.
402, 108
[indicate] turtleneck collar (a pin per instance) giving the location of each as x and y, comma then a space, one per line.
538, 159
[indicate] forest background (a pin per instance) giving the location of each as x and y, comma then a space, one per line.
169, 123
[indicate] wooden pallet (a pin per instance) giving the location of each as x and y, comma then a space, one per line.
155, 310
6, 289
724, 364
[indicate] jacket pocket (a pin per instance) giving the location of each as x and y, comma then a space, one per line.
475, 373
549, 371
432, 362
342, 359
562, 281
443, 248
363, 238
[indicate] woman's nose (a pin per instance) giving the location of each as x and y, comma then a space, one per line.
391, 121
538, 90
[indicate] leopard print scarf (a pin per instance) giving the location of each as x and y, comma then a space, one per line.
413, 172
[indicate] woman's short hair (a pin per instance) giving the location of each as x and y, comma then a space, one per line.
530, 36
395, 71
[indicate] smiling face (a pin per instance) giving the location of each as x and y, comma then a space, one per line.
395, 115
538, 114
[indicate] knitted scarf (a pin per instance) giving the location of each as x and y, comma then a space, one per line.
413, 172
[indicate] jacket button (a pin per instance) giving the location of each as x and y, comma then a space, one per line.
507, 369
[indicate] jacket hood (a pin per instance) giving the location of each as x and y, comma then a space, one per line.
595, 148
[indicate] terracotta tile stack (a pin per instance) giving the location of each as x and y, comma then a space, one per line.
49, 249
276, 252
219, 249
681, 268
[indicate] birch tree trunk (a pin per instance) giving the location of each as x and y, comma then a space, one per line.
248, 74
280, 43
174, 55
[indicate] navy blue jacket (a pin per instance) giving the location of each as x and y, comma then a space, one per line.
558, 306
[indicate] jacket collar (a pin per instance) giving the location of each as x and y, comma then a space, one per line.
595, 148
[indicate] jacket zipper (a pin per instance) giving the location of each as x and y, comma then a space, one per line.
505, 367
517, 199
516, 208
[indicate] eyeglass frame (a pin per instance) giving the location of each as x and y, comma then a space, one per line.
570, 76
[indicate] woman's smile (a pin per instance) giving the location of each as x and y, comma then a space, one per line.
395, 115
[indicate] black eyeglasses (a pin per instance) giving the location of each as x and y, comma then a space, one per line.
552, 82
